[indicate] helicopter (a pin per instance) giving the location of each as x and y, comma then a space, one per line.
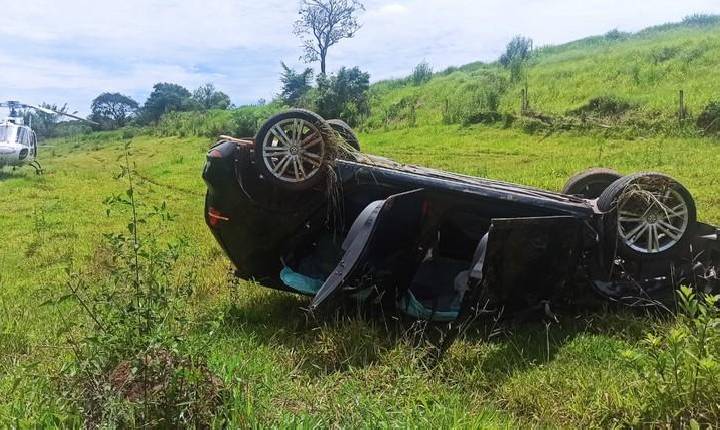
18, 141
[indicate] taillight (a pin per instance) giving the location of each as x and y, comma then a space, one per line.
215, 217
215, 154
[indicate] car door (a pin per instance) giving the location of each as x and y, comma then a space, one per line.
385, 234
519, 264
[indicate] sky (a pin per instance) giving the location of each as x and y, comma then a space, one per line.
69, 51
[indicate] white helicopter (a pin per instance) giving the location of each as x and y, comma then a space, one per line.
18, 141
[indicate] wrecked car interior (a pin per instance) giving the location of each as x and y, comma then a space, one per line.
301, 209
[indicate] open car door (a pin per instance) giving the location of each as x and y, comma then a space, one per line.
384, 231
520, 263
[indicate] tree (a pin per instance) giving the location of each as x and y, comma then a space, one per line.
344, 95
519, 48
113, 110
207, 97
294, 85
516, 54
324, 23
166, 98
422, 73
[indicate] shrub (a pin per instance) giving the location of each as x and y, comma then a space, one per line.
663, 54
532, 125
240, 122
449, 71
701, 19
616, 34
709, 119
680, 367
422, 73
295, 85
519, 49
403, 111
475, 101
343, 95
603, 106
132, 366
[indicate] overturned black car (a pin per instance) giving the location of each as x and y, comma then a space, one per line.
300, 208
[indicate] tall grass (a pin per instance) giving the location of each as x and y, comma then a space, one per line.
240, 122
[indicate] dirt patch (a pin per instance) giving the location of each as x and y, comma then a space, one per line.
167, 390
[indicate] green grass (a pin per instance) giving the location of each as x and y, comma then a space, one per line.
279, 367
646, 69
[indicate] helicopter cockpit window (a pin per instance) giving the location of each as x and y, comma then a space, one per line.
5, 132
21, 137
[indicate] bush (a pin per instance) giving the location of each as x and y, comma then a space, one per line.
449, 71
402, 111
701, 19
518, 50
663, 54
422, 73
133, 366
532, 125
343, 95
240, 122
475, 101
616, 35
680, 367
603, 106
709, 119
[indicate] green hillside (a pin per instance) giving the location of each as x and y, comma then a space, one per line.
646, 70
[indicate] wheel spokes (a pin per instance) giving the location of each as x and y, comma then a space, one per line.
293, 150
654, 223
280, 134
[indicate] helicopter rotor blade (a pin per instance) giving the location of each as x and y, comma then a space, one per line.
18, 105
54, 112
41, 109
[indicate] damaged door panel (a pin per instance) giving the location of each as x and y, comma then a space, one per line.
520, 263
385, 231
530, 259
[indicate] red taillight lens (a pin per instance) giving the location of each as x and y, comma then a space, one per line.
215, 154
215, 217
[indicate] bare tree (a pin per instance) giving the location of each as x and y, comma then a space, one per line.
324, 23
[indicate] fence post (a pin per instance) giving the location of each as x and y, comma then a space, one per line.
681, 106
523, 101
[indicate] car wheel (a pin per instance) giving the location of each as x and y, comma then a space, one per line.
590, 183
291, 149
655, 215
346, 132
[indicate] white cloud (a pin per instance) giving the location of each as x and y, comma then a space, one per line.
392, 8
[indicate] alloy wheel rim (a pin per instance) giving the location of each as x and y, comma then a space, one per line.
293, 150
652, 221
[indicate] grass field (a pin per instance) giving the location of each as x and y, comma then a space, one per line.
278, 367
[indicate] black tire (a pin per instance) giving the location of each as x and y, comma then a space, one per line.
590, 183
315, 125
346, 132
621, 192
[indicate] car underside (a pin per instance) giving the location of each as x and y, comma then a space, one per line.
300, 209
